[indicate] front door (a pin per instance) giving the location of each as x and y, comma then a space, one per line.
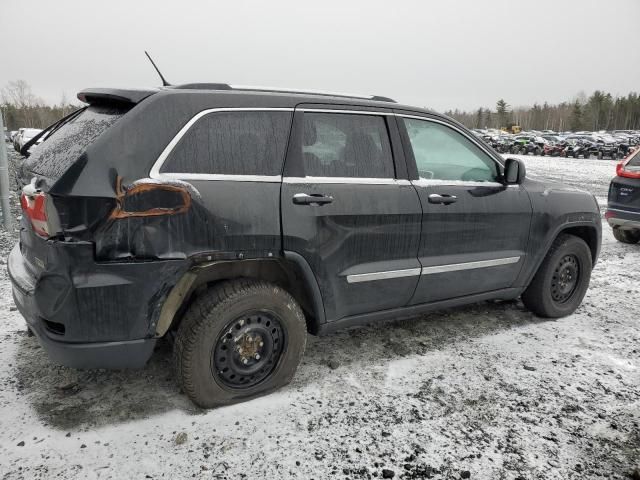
474, 227
349, 209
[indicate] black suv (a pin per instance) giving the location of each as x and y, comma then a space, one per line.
237, 220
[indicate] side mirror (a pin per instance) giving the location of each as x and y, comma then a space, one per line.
514, 171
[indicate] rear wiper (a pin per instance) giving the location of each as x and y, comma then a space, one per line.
50, 130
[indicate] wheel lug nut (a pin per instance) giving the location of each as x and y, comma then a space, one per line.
245, 361
261, 344
257, 356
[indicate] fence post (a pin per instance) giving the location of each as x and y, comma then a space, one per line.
7, 216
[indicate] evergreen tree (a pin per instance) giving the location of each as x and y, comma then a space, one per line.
502, 110
575, 120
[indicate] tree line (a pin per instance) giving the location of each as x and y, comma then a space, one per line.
600, 111
22, 108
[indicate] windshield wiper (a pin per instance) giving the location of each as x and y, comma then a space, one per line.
50, 130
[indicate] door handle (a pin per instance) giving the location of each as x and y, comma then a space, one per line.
443, 199
311, 199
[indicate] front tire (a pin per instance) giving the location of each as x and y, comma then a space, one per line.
626, 236
562, 279
239, 340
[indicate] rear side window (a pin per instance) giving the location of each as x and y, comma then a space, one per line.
64, 146
232, 143
346, 145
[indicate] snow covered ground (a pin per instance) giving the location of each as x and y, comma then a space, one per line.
486, 392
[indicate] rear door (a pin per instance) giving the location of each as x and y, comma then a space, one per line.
474, 228
349, 209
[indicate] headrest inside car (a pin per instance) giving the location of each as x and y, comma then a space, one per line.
310, 133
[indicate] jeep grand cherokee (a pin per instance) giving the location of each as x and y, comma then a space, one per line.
237, 220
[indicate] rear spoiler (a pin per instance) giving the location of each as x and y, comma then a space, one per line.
94, 96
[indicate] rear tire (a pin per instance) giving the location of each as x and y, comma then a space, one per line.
239, 340
562, 279
626, 236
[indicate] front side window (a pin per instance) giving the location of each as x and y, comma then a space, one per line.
232, 143
441, 153
346, 145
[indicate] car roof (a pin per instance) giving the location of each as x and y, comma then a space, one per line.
245, 94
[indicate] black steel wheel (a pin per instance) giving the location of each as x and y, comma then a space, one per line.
562, 279
238, 340
248, 350
565, 278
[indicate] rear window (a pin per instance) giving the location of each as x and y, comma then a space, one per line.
232, 143
634, 161
61, 149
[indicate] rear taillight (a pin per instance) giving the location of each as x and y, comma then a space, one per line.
622, 170
34, 206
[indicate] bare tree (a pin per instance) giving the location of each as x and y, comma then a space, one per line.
19, 94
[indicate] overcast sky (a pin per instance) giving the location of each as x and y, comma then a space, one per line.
440, 54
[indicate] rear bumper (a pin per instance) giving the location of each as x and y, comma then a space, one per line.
625, 219
104, 345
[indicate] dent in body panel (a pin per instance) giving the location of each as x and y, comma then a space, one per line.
240, 217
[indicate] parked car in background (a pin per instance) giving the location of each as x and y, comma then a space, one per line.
552, 148
623, 206
16, 139
576, 147
24, 136
525, 144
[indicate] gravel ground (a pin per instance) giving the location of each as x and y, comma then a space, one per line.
487, 392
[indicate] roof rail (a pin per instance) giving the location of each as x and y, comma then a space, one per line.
311, 92
247, 88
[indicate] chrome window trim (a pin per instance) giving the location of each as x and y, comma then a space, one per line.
155, 170
346, 180
386, 275
454, 267
156, 174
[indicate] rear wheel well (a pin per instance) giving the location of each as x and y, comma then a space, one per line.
586, 233
200, 278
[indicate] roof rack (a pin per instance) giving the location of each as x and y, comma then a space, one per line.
247, 88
